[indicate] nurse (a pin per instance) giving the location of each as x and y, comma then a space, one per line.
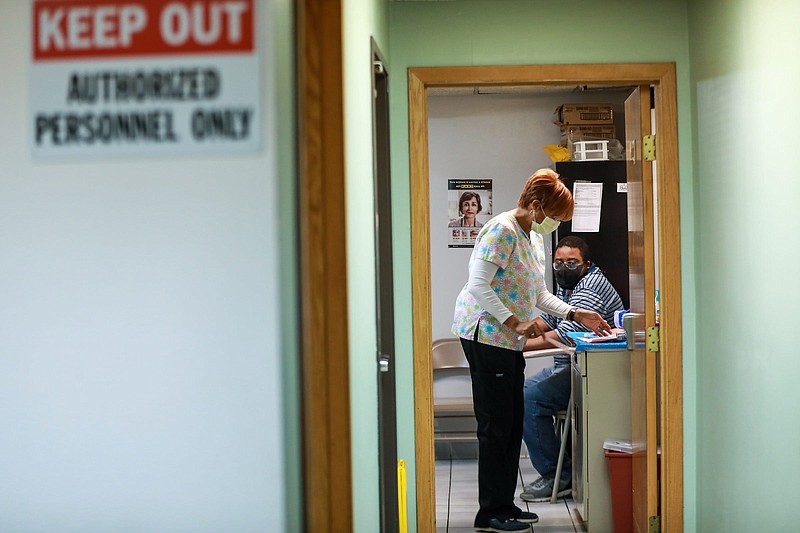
494, 316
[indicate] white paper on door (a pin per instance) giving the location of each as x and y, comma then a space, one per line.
588, 203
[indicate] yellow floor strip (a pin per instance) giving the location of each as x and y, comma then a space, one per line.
401, 496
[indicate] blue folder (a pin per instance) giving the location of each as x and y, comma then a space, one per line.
582, 345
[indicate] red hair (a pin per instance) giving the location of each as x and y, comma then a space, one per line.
546, 186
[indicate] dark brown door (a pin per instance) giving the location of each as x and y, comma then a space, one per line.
387, 422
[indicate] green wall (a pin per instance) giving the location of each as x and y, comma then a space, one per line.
745, 73
283, 22
534, 32
362, 20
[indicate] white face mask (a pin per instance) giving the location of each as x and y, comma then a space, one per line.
548, 225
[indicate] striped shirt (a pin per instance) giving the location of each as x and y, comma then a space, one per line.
593, 292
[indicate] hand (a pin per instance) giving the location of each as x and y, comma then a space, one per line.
531, 328
593, 321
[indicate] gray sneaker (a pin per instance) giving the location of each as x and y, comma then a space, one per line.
536, 480
542, 489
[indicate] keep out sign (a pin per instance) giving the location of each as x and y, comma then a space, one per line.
144, 77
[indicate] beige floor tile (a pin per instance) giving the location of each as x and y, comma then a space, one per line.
457, 485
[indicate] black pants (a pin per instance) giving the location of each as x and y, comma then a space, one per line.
498, 377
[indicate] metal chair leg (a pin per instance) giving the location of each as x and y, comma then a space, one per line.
562, 450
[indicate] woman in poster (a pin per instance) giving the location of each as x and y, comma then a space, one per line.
469, 205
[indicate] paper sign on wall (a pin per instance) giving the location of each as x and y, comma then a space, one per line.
588, 203
150, 77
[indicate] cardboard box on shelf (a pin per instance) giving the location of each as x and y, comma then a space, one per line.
585, 131
584, 114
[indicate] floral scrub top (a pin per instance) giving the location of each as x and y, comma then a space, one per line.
518, 282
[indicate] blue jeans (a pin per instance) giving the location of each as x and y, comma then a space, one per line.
546, 393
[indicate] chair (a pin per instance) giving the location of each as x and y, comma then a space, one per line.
453, 415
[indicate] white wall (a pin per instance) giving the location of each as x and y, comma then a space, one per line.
141, 375
497, 137
489, 136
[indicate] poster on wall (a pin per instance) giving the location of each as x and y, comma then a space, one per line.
150, 77
469, 207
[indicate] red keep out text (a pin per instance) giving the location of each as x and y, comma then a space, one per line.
65, 29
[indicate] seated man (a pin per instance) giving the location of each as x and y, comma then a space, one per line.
583, 285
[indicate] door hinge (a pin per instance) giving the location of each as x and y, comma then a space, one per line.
655, 524
649, 147
653, 339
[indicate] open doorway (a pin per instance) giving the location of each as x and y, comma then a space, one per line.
662, 78
483, 144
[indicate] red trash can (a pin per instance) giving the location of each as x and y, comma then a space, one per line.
620, 471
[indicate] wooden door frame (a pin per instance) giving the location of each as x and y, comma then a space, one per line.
662, 77
324, 349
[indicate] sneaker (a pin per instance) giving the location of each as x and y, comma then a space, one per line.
500, 526
542, 489
527, 518
538, 479
533, 483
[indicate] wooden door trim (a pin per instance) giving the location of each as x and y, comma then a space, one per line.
662, 76
671, 334
323, 328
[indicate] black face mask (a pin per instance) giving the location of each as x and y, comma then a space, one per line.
567, 278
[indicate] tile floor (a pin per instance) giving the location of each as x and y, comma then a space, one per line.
457, 500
